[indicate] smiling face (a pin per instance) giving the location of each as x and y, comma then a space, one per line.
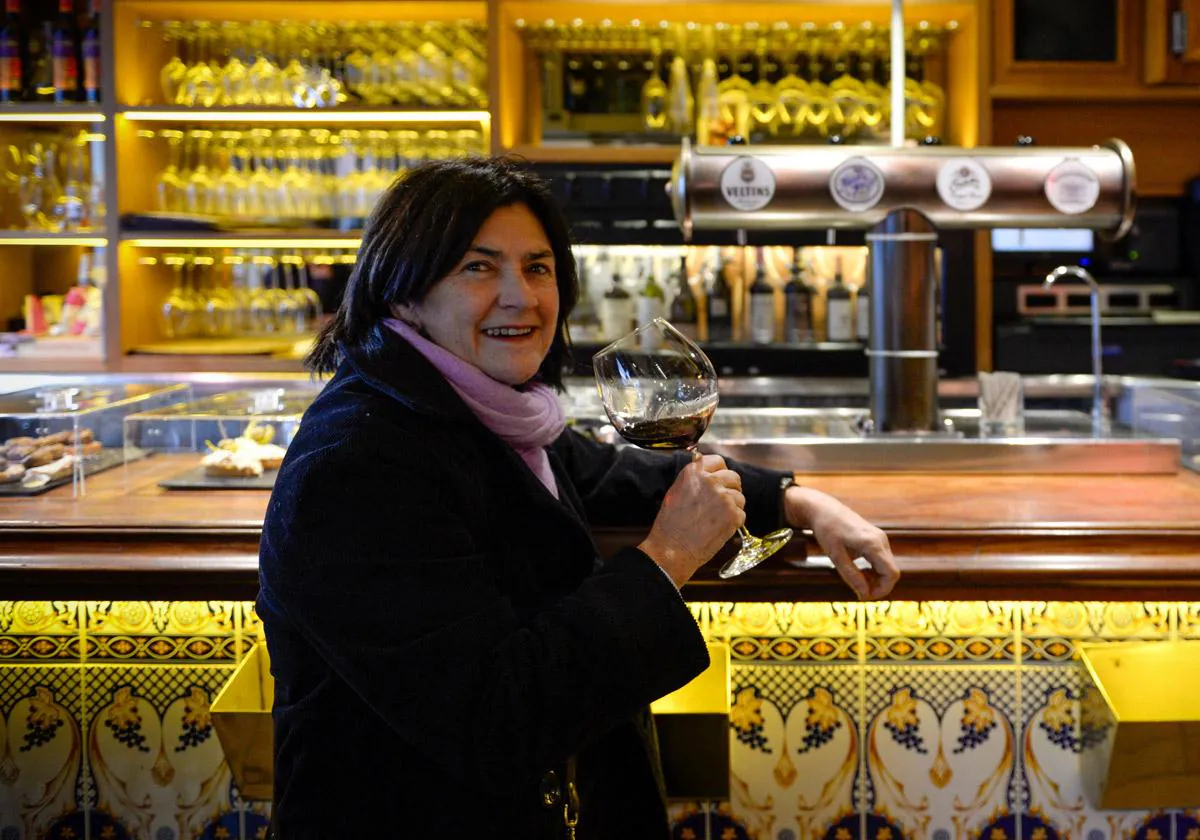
498, 307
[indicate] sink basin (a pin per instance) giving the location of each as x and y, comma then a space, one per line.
1055, 442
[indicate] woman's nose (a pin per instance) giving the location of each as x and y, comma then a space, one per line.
516, 292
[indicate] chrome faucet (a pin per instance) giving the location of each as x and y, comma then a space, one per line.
1099, 406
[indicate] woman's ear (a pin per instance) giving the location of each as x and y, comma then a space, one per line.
407, 313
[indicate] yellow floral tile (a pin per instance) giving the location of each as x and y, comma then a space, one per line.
940, 618
940, 631
160, 631
1107, 620
1188, 613
789, 649
45, 631
723, 621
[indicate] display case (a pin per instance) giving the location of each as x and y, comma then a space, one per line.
229, 441
61, 434
1171, 412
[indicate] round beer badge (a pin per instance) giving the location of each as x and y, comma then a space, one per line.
1072, 187
747, 184
856, 185
964, 184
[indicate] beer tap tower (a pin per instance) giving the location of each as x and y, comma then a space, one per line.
902, 196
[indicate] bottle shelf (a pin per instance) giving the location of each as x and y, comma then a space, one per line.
314, 116
655, 155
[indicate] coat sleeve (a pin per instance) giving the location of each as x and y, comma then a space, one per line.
395, 596
625, 486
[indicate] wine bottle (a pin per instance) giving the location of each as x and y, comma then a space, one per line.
651, 302
64, 66
839, 308
91, 54
616, 311
797, 306
12, 47
762, 305
684, 312
862, 310
584, 317
720, 309
39, 70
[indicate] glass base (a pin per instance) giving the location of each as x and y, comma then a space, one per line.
753, 551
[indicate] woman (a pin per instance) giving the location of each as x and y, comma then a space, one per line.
452, 657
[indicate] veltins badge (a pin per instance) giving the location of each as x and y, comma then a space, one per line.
964, 184
857, 184
1072, 187
747, 184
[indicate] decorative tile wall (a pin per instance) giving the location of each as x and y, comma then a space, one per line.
938, 720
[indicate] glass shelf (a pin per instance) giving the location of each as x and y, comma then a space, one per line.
41, 237
308, 116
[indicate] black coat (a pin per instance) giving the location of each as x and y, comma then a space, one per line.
442, 632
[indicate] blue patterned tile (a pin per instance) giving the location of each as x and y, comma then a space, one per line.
940, 748
1052, 738
155, 763
41, 749
795, 752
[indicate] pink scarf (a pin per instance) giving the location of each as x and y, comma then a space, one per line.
528, 420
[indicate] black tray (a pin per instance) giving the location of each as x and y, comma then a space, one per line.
197, 479
103, 460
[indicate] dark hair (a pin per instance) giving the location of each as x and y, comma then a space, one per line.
419, 231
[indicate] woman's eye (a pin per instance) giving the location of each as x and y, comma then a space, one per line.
540, 268
476, 266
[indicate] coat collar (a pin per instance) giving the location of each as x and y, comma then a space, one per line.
396, 368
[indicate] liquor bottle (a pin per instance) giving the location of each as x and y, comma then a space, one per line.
762, 305
64, 64
616, 310
839, 308
720, 308
651, 302
12, 47
91, 54
862, 309
797, 306
684, 314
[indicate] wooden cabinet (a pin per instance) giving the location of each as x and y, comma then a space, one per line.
1045, 49
1172, 42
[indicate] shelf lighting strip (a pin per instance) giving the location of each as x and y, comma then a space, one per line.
89, 241
239, 242
49, 117
313, 116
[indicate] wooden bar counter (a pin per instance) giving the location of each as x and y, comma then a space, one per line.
955, 537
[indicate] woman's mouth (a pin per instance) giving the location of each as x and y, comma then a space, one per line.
508, 332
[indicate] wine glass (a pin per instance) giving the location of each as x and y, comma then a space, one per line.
660, 392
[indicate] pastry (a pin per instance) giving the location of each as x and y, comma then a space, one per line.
270, 455
60, 468
226, 463
19, 441
19, 451
57, 437
10, 473
44, 455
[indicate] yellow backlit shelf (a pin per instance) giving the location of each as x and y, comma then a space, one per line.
243, 239
307, 116
47, 114
40, 237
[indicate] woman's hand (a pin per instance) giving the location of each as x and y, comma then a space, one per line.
698, 515
845, 536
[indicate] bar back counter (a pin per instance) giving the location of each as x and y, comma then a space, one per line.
957, 710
